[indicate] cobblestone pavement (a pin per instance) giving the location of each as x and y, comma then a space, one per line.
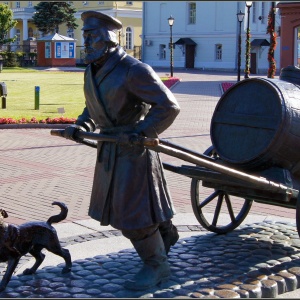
260, 260
256, 260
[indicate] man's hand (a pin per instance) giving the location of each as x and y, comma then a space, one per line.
128, 138
70, 132
137, 139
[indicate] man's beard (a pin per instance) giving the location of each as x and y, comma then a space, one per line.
95, 55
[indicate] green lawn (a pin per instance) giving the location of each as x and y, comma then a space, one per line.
57, 90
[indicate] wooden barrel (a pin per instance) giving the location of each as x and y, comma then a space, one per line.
256, 125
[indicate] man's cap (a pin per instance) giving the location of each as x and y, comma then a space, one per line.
94, 19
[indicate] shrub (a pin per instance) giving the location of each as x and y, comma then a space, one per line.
10, 59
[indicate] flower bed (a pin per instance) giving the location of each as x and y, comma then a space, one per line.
58, 120
226, 86
169, 82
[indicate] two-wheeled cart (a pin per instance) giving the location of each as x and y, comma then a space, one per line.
255, 132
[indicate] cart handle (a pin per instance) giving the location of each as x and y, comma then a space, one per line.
138, 140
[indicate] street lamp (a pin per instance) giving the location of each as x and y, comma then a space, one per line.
240, 17
171, 22
247, 68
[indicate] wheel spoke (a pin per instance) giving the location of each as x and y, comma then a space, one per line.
209, 199
229, 206
218, 209
203, 209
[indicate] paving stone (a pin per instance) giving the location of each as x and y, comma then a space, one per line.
253, 290
111, 287
81, 296
227, 287
290, 280
226, 294
206, 292
296, 272
243, 293
57, 295
281, 285
93, 291
197, 295
79, 283
269, 289
163, 294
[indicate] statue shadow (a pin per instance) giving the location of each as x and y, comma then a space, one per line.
245, 256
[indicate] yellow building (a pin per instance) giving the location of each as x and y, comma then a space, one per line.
128, 12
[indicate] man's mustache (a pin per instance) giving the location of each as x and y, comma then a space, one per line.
88, 50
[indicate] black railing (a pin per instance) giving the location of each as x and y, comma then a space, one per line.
137, 52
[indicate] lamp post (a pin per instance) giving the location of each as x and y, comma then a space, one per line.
240, 17
247, 68
171, 22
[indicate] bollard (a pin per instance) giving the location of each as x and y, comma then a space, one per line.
3, 102
37, 98
3, 93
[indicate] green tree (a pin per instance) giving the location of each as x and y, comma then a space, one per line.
49, 15
6, 24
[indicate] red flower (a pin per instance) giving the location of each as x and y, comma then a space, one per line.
170, 81
226, 85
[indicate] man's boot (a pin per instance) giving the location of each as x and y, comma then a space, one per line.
169, 234
156, 268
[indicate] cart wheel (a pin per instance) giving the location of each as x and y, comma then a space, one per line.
208, 211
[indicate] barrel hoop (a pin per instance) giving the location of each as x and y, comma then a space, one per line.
266, 122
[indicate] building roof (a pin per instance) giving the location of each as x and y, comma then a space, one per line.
56, 37
186, 41
259, 43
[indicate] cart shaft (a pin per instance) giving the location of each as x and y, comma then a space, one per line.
259, 182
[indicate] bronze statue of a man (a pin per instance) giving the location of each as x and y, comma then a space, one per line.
123, 97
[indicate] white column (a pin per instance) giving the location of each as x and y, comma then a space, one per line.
12, 33
25, 29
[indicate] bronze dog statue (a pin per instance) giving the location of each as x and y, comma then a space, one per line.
30, 237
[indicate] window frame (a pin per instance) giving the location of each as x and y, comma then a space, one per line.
129, 38
192, 8
218, 52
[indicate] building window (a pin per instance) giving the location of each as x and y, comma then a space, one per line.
6, 3
85, 3
18, 34
29, 3
101, 2
128, 2
253, 12
218, 51
192, 13
18, 4
162, 51
30, 32
70, 33
263, 13
128, 38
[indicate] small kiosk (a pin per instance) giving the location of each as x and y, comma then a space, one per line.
56, 51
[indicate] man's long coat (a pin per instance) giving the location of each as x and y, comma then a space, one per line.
129, 189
